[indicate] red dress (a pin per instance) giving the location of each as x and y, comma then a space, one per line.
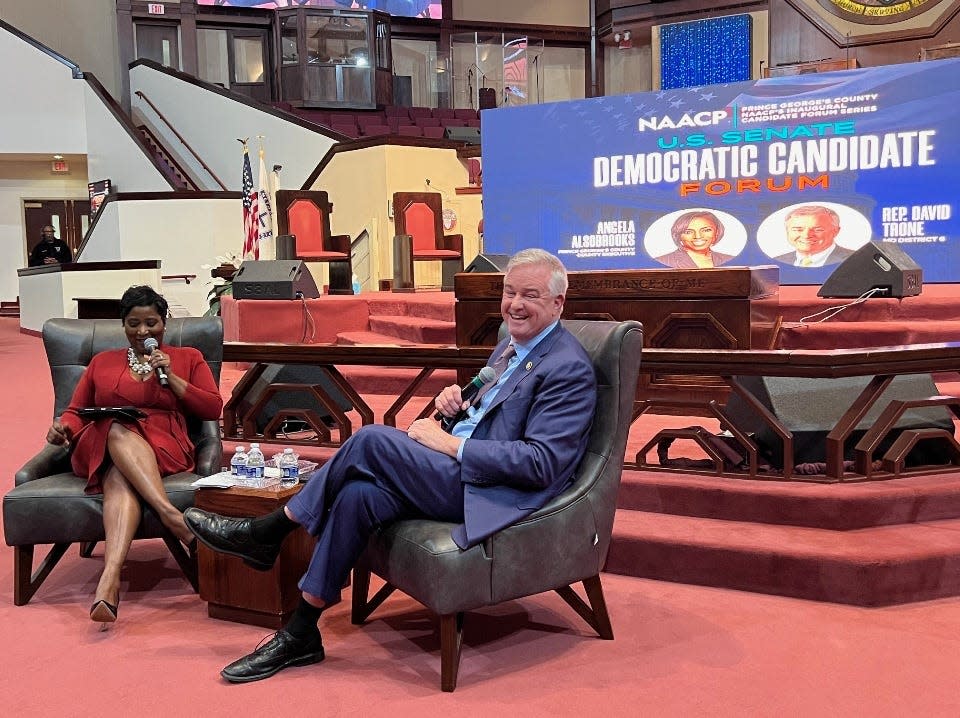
108, 382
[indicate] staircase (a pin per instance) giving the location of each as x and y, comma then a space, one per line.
421, 318
868, 544
169, 166
10, 309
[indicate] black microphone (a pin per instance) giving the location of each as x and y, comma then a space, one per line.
151, 345
485, 376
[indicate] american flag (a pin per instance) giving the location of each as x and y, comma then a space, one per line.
251, 211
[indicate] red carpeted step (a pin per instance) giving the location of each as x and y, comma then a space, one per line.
393, 382
937, 302
360, 337
851, 335
429, 305
415, 329
798, 503
868, 567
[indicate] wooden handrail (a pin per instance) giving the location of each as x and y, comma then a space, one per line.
187, 278
139, 93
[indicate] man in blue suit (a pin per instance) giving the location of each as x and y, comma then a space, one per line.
514, 449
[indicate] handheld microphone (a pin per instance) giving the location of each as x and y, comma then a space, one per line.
485, 376
151, 345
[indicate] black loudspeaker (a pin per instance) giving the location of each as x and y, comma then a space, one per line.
487, 98
274, 279
293, 374
470, 135
877, 265
286, 245
488, 263
810, 408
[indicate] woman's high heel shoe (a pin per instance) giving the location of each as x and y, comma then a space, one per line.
104, 612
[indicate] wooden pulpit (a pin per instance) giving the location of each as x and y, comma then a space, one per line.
722, 308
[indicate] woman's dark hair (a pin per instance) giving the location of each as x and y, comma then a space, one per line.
143, 296
682, 223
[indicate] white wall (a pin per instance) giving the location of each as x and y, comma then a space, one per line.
112, 153
183, 234
53, 294
42, 103
190, 108
85, 31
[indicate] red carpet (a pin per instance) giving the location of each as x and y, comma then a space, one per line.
680, 650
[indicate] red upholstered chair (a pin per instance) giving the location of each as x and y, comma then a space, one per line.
375, 130
418, 220
306, 215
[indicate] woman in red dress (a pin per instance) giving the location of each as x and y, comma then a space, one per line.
125, 459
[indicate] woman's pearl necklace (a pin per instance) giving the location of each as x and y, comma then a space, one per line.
141, 368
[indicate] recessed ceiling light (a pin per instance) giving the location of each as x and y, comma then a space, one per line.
58, 157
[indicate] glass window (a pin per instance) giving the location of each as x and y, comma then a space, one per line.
383, 45
288, 40
248, 59
338, 39
212, 56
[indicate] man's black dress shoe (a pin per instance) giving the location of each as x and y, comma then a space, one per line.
281, 651
232, 536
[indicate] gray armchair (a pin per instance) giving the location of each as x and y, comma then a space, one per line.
563, 543
47, 504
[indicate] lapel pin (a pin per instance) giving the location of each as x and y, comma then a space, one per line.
529, 365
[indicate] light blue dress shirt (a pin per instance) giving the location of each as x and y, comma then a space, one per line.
464, 429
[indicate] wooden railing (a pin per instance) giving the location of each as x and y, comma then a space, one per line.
883, 364
176, 134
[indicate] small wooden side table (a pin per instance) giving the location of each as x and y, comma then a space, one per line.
237, 592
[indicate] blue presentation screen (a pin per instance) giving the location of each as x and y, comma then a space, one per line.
796, 171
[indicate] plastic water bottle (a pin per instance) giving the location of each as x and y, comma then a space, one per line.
289, 467
356, 284
255, 463
238, 464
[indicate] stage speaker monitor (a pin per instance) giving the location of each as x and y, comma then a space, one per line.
294, 399
876, 265
810, 408
488, 263
470, 135
487, 98
286, 246
274, 279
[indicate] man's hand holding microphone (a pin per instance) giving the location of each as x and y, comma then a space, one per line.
451, 404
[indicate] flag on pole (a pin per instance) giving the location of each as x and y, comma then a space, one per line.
265, 210
251, 220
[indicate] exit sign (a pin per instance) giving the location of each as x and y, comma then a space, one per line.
155, 8
60, 166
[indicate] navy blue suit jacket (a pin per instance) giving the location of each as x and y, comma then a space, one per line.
527, 446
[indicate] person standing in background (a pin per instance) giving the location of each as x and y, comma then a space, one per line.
50, 249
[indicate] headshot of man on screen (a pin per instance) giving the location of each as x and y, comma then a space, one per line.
811, 231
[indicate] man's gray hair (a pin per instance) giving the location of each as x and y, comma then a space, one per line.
558, 273
810, 210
